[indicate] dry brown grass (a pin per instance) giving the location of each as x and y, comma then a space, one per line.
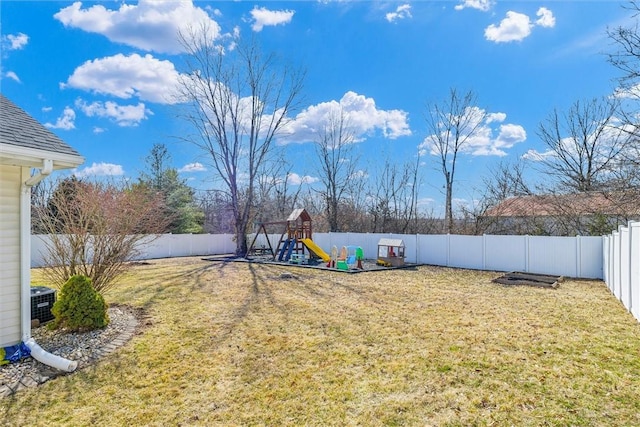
236, 344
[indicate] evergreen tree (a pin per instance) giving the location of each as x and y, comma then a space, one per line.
179, 199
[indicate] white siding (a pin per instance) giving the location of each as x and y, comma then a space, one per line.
10, 177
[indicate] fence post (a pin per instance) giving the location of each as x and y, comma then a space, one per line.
635, 267
448, 249
526, 253
578, 256
612, 262
631, 306
484, 251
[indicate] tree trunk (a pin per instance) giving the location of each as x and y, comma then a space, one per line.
448, 215
241, 241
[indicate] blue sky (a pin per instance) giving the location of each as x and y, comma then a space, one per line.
98, 74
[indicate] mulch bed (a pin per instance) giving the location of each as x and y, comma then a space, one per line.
367, 265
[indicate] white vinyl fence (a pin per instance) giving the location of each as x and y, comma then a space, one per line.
621, 259
567, 256
165, 246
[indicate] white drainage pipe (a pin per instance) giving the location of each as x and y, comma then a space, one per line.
25, 223
50, 359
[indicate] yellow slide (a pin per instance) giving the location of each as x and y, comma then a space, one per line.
316, 249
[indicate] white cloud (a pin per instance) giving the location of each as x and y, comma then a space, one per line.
98, 130
193, 167
426, 201
403, 11
46, 109
100, 169
65, 122
538, 156
243, 107
12, 76
483, 142
546, 19
264, 17
295, 179
14, 41
150, 25
123, 115
496, 117
122, 76
359, 174
483, 5
607, 136
361, 114
515, 27
458, 202
632, 92
509, 136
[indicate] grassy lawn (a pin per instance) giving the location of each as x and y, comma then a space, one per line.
236, 344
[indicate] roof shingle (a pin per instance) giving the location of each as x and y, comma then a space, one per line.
20, 129
611, 203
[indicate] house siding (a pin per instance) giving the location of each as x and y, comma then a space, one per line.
10, 179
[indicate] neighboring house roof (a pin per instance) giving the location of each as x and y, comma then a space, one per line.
615, 203
24, 140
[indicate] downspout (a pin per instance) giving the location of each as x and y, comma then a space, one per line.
25, 265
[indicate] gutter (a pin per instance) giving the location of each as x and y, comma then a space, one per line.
25, 266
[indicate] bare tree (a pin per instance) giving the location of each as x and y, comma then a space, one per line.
507, 179
627, 56
627, 59
584, 144
510, 206
240, 101
452, 125
94, 229
338, 163
277, 195
218, 214
394, 198
487, 215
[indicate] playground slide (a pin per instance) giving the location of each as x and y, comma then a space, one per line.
310, 244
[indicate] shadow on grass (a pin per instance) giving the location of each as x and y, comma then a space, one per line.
159, 288
259, 292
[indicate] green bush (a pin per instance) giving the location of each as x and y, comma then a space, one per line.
79, 307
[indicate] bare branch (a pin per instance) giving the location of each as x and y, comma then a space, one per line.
585, 144
239, 102
451, 126
338, 163
94, 229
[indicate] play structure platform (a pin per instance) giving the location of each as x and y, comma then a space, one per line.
297, 247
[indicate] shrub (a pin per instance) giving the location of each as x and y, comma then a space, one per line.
80, 307
94, 229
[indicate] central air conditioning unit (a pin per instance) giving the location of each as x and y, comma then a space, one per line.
42, 299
